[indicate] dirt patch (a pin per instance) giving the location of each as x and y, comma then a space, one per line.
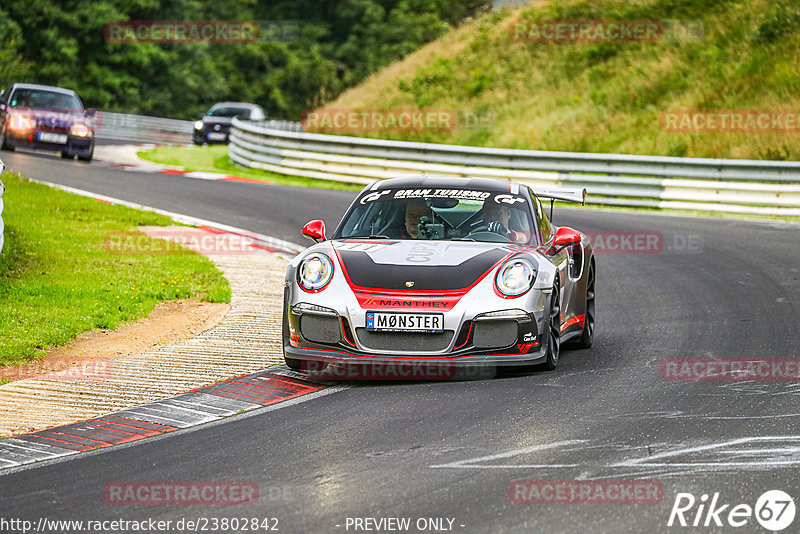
170, 322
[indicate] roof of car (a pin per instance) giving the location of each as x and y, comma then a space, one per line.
44, 87
241, 104
486, 184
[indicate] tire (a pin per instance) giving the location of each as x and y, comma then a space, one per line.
587, 336
3, 144
554, 330
67, 155
87, 157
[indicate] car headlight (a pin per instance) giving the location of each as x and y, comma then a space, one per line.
315, 272
21, 123
515, 277
198, 125
79, 130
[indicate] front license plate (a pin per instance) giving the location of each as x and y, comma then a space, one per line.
49, 137
405, 322
216, 136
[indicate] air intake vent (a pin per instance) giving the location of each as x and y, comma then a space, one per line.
494, 334
320, 329
405, 342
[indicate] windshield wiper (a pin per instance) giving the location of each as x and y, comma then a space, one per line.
461, 239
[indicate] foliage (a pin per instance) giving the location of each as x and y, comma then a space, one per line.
726, 55
337, 43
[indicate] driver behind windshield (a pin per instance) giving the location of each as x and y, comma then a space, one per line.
497, 218
415, 210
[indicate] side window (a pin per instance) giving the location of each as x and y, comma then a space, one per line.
544, 223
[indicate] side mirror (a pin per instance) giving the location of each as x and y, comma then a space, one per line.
91, 112
315, 230
565, 237
2, 170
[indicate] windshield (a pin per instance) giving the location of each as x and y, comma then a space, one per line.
230, 111
39, 98
441, 214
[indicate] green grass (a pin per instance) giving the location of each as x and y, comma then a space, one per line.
603, 97
214, 158
57, 279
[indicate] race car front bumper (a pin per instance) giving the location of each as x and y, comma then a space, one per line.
315, 337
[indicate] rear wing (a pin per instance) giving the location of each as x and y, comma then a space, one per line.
561, 193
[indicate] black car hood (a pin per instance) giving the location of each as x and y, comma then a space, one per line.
430, 265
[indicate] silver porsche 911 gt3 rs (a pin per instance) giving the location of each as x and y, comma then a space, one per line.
437, 270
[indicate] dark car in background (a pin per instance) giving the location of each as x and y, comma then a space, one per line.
46, 117
215, 125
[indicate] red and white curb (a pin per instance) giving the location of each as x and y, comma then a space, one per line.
197, 175
199, 406
265, 242
200, 175
125, 157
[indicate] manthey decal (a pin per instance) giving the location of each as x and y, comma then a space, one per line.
442, 303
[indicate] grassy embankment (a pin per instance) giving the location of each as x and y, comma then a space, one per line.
58, 278
603, 97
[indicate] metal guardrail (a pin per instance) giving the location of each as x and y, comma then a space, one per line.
287, 126
141, 129
725, 185
2, 226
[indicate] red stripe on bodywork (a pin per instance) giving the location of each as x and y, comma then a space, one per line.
580, 319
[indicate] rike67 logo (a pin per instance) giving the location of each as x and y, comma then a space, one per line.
774, 510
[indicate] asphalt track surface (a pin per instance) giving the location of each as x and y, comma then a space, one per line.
452, 449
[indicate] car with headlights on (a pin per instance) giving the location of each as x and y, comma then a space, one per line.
215, 126
424, 271
46, 117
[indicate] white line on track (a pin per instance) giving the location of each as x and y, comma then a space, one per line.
470, 463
